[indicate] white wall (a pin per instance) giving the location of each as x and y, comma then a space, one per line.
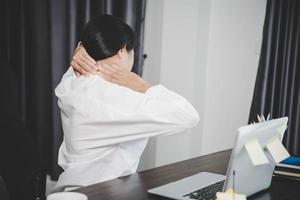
206, 50
234, 44
152, 47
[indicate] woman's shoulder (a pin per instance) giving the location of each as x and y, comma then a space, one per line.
95, 89
113, 94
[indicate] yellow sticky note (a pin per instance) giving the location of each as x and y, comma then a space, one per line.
277, 150
256, 153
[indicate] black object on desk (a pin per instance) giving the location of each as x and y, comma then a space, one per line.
134, 187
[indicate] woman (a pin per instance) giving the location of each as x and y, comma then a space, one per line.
108, 116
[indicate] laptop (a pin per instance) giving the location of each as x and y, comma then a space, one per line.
247, 178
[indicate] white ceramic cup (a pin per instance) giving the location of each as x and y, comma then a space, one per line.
67, 196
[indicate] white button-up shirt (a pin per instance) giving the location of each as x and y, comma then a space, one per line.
107, 126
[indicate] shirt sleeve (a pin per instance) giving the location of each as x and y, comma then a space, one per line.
69, 73
160, 112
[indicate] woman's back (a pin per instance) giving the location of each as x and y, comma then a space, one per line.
91, 108
106, 126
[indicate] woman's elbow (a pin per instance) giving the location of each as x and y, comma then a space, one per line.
194, 120
191, 120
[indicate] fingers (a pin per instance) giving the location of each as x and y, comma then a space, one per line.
108, 78
114, 73
85, 57
112, 68
88, 57
78, 68
88, 61
109, 71
81, 66
122, 76
82, 62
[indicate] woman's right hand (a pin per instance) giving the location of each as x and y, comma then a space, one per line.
121, 76
82, 63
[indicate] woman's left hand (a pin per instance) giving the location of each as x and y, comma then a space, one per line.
82, 63
123, 77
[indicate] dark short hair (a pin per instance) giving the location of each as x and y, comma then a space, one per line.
105, 35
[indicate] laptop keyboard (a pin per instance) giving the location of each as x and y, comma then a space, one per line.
207, 193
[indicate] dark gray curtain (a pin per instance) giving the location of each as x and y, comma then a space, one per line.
37, 39
277, 87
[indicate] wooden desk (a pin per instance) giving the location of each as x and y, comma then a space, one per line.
134, 187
